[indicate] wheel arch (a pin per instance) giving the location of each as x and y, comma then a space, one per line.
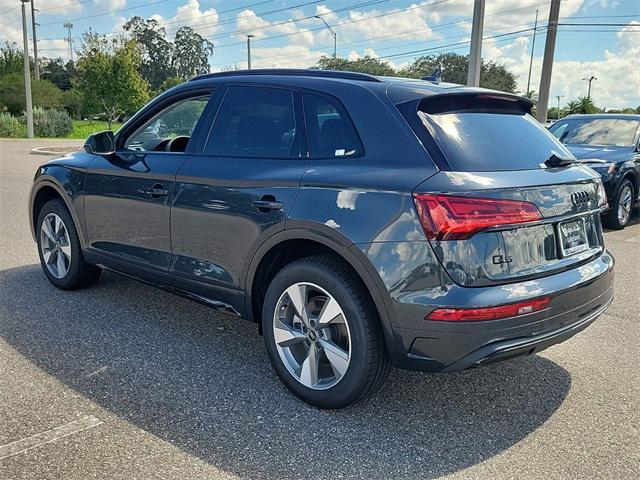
43, 192
313, 240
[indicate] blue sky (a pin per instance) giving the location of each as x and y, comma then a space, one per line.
288, 35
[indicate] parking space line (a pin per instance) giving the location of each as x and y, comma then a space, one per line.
49, 436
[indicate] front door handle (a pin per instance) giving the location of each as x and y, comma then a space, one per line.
157, 191
266, 205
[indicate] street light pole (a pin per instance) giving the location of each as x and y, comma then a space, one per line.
559, 97
249, 37
475, 53
547, 62
27, 75
335, 37
533, 47
36, 67
590, 79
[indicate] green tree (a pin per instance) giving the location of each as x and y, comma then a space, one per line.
191, 53
44, 94
370, 65
73, 102
11, 59
56, 71
168, 83
109, 78
581, 105
455, 67
156, 52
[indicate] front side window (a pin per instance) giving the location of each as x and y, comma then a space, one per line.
171, 129
255, 122
331, 132
596, 131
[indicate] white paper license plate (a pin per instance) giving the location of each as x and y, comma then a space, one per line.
573, 237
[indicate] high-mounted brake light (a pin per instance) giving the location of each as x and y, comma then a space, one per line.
450, 217
489, 313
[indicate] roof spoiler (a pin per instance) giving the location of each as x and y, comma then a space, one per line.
477, 101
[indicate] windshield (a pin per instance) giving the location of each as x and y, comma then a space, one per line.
475, 142
596, 131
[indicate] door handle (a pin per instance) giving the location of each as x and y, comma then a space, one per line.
157, 191
266, 205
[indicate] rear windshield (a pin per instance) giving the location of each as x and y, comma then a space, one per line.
596, 131
489, 141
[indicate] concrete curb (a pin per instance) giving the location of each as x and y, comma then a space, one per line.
54, 150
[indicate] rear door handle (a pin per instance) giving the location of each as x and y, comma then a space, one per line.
157, 191
264, 205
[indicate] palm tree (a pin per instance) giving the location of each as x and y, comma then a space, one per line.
532, 95
573, 107
587, 105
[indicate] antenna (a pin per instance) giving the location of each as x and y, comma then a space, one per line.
69, 26
434, 77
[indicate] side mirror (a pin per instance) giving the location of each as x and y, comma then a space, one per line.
101, 143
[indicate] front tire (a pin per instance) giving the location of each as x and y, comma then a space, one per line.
59, 249
621, 207
323, 338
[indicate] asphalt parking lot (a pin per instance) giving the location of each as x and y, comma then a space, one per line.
126, 381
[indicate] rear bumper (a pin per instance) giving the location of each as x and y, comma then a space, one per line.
579, 297
507, 349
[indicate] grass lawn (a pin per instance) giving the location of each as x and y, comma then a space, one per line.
83, 128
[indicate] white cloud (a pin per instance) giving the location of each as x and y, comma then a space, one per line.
11, 31
290, 56
109, 5
205, 22
608, 91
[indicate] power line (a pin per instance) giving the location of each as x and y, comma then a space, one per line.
383, 48
157, 2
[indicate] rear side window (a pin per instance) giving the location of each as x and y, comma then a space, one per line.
596, 131
331, 131
481, 137
257, 122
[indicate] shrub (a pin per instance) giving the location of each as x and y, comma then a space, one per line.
51, 123
9, 126
45, 94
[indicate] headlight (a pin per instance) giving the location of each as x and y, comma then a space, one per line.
602, 195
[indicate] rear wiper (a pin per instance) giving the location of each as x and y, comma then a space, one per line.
556, 161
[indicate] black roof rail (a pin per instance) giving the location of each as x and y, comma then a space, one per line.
294, 72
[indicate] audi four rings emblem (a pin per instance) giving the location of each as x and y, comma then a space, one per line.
579, 198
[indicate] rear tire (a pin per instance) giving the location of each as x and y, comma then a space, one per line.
341, 334
59, 249
621, 207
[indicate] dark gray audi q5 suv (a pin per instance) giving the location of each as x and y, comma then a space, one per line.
362, 221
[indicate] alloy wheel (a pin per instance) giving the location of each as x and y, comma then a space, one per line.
312, 336
55, 245
625, 204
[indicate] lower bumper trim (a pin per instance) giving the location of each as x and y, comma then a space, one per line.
507, 349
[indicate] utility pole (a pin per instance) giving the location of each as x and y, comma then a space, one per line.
69, 26
547, 62
335, 37
36, 67
249, 37
475, 54
559, 97
27, 75
533, 47
590, 79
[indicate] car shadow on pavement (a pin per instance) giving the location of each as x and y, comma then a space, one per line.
202, 381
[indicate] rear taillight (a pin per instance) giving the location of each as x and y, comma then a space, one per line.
449, 217
489, 313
